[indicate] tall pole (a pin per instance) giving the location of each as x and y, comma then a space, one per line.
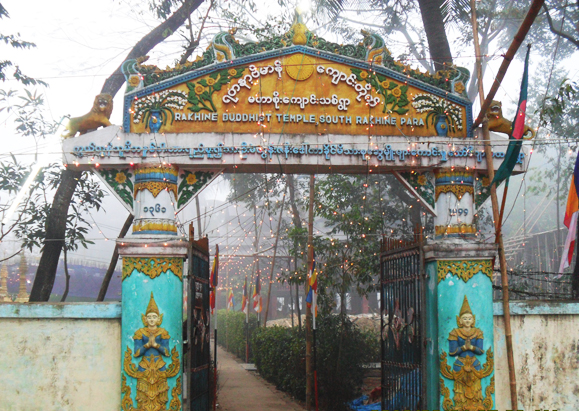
198, 215
496, 214
309, 336
508, 57
273, 262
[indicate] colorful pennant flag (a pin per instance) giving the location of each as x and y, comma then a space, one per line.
571, 215
230, 300
244, 300
312, 290
257, 306
213, 279
516, 137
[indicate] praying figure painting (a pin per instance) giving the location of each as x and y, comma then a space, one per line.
466, 344
152, 372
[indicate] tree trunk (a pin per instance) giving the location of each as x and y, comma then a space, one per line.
56, 220
435, 33
343, 310
67, 276
54, 240
298, 224
114, 83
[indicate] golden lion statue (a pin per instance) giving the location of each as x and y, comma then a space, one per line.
501, 125
98, 116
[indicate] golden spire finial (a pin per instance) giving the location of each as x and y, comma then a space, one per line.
299, 29
465, 309
152, 307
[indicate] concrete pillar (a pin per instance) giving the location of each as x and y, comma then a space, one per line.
22, 296
4, 297
152, 296
459, 302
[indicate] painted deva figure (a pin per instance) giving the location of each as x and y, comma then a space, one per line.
465, 343
151, 345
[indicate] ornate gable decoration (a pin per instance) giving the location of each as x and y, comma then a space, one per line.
296, 84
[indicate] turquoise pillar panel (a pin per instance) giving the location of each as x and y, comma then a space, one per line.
466, 344
151, 340
432, 357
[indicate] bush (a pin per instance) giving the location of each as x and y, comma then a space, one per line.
342, 349
280, 358
232, 332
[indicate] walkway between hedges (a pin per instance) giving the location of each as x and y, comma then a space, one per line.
241, 390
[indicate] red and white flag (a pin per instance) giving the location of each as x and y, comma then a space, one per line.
571, 214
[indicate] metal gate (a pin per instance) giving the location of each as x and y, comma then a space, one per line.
402, 324
198, 359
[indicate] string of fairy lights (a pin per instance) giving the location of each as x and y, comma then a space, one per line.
236, 269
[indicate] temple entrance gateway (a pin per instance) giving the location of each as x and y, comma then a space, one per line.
296, 104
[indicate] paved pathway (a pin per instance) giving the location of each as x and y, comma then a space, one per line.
241, 390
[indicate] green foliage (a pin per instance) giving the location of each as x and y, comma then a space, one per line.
163, 8
28, 112
30, 218
88, 195
394, 101
281, 358
203, 90
560, 115
356, 211
14, 41
342, 349
232, 332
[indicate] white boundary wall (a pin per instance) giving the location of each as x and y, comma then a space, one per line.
546, 355
60, 357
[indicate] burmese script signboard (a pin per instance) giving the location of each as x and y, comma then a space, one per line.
298, 93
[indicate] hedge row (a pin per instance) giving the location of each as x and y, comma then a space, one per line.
342, 349
232, 332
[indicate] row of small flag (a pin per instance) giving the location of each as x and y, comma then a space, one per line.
311, 290
256, 297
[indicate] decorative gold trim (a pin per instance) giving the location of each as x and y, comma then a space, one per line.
464, 270
175, 404
489, 391
144, 379
458, 174
160, 265
149, 226
299, 67
127, 401
447, 403
449, 373
457, 189
455, 229
454, 186
157, 169
155, 187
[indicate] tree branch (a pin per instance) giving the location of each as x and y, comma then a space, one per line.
114, 83
114, 260
559, 32
193, 44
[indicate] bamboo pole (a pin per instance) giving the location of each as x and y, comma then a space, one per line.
507, 58
273, 263
309, 337
495, 204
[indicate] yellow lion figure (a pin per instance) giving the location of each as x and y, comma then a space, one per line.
98, 116
501, 125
